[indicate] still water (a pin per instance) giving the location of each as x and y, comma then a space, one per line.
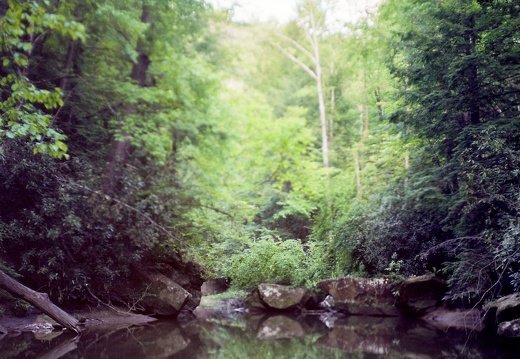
274, 336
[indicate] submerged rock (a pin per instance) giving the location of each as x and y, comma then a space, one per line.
420, 295
356, 334
459, 319
280, 327
362, 296
282, 297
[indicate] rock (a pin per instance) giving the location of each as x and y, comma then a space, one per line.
504, 309
214, 286
165, 344
314, 299
162, 296
459, 319
152, 293
38, 327
280, 327
510, 329
362, 296
187, 274
420, 295
355, 334
282, 297
253, 302
328, 302
161, 285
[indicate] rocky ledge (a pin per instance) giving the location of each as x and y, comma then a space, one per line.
416, 297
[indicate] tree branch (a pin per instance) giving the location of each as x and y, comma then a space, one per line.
298, 46
126, 205
296, 61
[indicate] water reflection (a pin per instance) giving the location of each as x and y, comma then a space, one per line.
262, 336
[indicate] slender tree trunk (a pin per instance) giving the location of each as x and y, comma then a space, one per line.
357, 172
67, 66
39, 300
367, 109
119, 152
316, 73
321, 95
331, 115
377, 93
364, 132
406, 164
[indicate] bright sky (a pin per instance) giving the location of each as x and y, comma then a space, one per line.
244, 10
284, 10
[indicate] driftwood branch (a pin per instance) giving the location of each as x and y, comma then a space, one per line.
40, 301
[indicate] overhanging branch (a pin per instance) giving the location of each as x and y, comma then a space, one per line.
296, 61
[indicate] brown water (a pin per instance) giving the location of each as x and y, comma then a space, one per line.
263, 337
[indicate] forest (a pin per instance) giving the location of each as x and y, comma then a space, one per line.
136, 130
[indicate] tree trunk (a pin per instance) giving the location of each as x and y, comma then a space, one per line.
65, 347
67, 67
367, 109
119, 152
39, 300
358, 173
321, 95
331, 116
377, 93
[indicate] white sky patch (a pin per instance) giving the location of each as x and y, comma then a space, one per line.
263, 10
342, 11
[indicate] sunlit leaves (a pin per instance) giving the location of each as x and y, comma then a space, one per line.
22, 115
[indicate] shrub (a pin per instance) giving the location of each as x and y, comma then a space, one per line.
268, 259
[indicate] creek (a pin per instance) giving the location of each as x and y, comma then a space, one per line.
227, 335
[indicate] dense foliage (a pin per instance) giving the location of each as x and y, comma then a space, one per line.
128, 93
133, 130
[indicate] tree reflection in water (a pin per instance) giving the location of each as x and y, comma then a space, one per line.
262, 336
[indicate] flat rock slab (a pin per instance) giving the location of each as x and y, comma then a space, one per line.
362, 296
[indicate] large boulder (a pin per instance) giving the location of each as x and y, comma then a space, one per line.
185, 273
282, 297
151, 292
362, 296
417, 296
162, 286
276, 297
505, 309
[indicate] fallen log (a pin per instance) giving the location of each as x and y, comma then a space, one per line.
40, 301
